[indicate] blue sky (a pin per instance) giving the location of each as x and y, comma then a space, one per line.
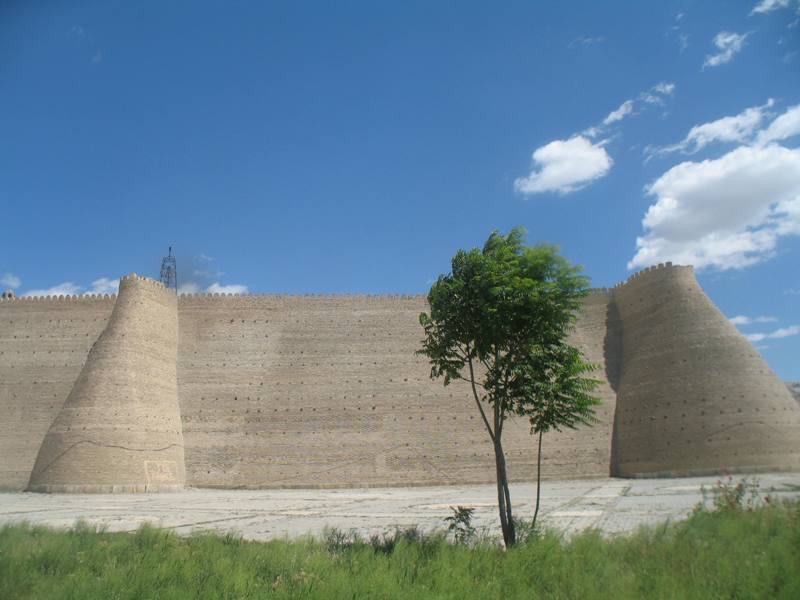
354, 146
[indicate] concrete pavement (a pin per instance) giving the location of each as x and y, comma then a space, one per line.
612, 505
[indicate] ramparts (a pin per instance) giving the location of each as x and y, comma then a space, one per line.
120, 428
307, 391
43, 346
327, 391
694, 395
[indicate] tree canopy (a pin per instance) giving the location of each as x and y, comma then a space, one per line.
499, 321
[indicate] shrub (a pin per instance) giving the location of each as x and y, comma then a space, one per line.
727, 496
459, 524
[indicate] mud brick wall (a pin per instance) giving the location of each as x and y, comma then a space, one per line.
43, 346
282, 391
695, 397
260, 391
120, 428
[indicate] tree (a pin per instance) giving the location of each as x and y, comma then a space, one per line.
560, 397
496, 321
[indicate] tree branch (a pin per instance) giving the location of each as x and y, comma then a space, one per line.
462, 378
463, 356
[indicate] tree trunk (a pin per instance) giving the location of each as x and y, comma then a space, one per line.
538, 481
504, 497
507, 492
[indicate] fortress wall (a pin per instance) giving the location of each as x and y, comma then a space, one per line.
326, 391
306, 391
43, 345
120, 429
694, 396
597, 334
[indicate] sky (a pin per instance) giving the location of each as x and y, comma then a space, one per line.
353, 147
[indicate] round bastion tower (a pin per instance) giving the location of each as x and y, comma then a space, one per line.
120, 428
694, 396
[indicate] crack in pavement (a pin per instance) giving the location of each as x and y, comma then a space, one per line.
195, 523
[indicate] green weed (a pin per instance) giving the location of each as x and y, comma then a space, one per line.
747, 553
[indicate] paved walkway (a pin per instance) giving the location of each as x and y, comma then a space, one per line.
612, 505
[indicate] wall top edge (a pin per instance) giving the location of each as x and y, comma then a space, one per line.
142, 279
210, 296
61, 298
660, 268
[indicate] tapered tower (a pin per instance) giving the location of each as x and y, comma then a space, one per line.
120, 428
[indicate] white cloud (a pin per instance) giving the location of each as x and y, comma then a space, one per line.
785, 332
765, 6
617, 115
657, 94
593, 131
207, 273
792, 292
216, 288
565, 166
783, 127
665, 88
586, 41
676, 32
775, 335
205, 278
726, 213
189, 287
98, 57
192, 287
62, 289
729, 44
738, 128
11, 281
742, 320
104, 285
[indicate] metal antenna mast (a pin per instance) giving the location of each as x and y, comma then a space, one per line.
169, 272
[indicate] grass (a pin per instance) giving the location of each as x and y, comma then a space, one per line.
722, 552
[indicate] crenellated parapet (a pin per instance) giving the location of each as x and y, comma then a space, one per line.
142, 280
210, 297
72, 298
648, 273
